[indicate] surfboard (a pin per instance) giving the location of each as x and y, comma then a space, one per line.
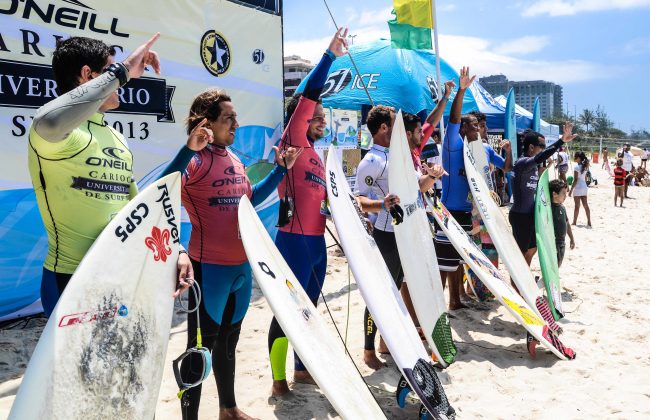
482, 165
321, 352
382, 297
505, 243
416, 251
492, 278
103, 348
546, 250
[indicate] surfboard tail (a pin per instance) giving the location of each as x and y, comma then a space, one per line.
443, 340
427, 386
545, 310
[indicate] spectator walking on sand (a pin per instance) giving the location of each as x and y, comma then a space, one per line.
579, 188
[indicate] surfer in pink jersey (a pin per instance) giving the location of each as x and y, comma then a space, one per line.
214, 180
301, 237
431, 123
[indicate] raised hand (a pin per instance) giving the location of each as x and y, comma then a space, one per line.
465, 80
200, 136
505, 145
567, 132
449, 87
339, 43
142, 57
288, 155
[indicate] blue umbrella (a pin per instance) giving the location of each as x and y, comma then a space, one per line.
404, 79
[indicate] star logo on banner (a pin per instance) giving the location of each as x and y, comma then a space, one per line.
215, 53
270, 141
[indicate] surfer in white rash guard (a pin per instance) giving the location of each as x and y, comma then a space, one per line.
524, 186
372, 182
77, 197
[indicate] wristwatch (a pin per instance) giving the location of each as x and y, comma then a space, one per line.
120, 72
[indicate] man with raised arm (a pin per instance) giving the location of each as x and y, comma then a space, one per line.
301, 237
76, 197
455, 189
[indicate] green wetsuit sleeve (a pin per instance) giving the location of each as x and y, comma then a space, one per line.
133, 189
55, 120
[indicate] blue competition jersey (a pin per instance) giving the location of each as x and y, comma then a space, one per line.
455, 189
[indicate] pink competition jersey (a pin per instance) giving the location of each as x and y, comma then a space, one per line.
213, 184
307, 176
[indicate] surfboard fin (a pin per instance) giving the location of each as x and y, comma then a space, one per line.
424, 414
531, 343
403, 389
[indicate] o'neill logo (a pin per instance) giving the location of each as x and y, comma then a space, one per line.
82, 17
91, 316
158, 242
215, 53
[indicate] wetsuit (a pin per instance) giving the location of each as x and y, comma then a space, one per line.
455, 196
213, 183
524, 185
81, 170
302, 241
372, 182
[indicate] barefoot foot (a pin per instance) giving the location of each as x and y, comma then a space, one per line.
303, 377
234, 413
280, 388
371, 360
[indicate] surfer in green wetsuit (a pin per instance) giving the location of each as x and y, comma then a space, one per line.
81, 168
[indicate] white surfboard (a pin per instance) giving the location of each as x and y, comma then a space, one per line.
416, 250
103, 349
503, 240
382, 297
481, 162
492, 278
321, 352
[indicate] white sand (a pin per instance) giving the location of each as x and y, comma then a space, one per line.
605, 280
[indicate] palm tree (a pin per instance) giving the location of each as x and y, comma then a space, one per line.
587, 118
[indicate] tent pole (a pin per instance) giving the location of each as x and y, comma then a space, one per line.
437, 51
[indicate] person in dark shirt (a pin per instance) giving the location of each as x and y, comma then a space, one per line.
524, 185
561, 224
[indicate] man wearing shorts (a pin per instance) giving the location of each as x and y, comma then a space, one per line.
562, 163
524, 186
455, 190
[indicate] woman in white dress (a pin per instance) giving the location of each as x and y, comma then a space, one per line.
579, 187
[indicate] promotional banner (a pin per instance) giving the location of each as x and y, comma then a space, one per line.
341, 129
203, 44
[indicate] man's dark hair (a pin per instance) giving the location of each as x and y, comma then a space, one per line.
604, 147
465, 119
531, 137
206, 105
72, 54
291, 107
410, 121
557, 185
378, 115
479, 116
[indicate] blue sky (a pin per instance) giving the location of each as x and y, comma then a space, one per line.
598, 50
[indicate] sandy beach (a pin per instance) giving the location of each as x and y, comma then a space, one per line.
606, 295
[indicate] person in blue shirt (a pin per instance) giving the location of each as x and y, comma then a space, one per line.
455, 189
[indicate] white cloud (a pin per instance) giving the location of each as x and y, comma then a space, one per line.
572, 7
374, 17
524, 45
637, 46
449, 7
481, 55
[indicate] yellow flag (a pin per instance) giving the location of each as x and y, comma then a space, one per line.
414, 12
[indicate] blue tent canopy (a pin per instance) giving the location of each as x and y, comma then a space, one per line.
404, 79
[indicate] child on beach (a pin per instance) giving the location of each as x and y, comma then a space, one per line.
560, 219
619, 181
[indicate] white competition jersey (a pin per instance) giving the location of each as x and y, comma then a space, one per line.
372, 182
